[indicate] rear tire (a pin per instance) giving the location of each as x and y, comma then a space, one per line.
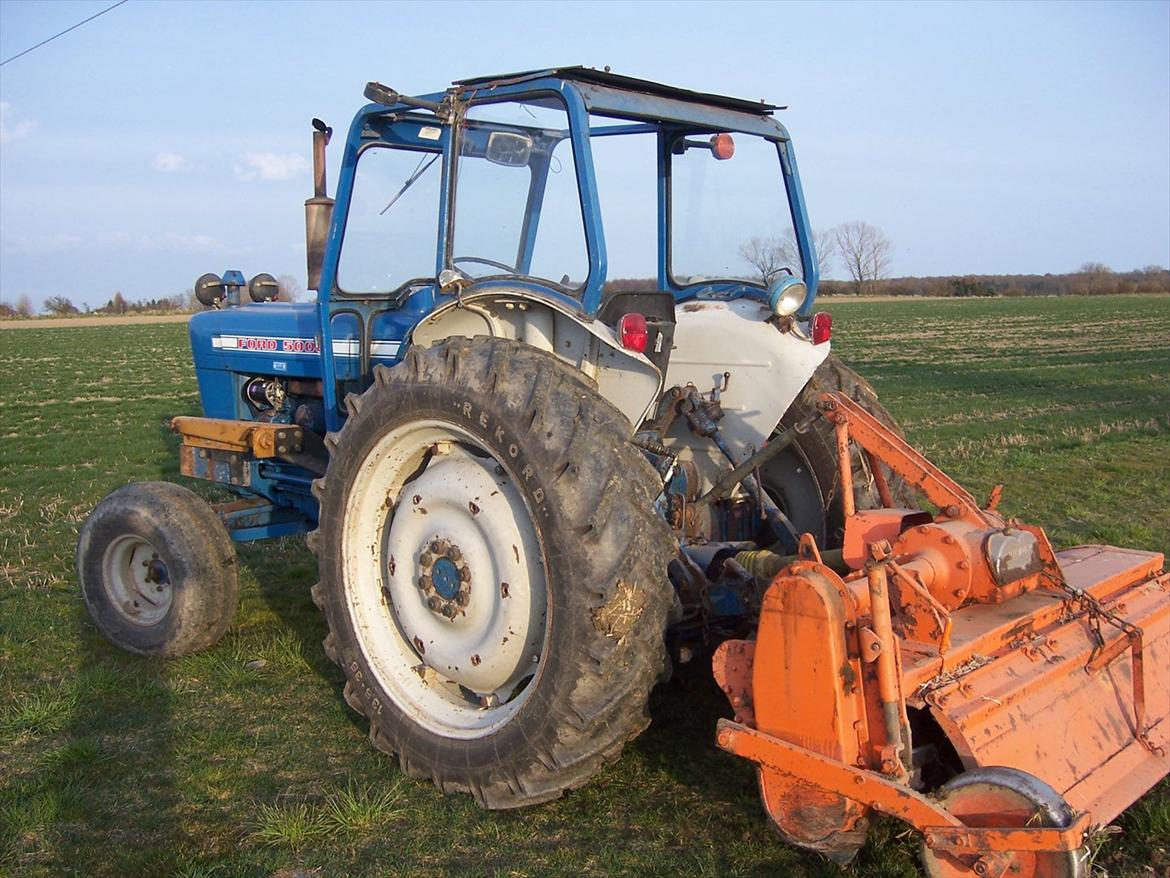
804, 480
459, 448
157, 570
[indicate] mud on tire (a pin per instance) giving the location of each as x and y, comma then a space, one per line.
562, 454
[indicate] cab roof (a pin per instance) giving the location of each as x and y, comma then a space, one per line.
594, 76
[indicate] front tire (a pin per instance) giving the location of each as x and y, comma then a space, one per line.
157, 570
493, 571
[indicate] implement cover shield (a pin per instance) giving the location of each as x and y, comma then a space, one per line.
1040, 707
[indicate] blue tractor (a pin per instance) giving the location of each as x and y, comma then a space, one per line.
558, 376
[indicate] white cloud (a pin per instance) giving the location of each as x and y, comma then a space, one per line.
271, 166
12, 128
56, 243
169, 162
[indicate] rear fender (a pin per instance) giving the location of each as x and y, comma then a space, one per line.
767, 368
627, 379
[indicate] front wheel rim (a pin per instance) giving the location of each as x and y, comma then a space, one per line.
137, 580
444, 579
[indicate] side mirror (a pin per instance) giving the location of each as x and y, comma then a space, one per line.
507, 148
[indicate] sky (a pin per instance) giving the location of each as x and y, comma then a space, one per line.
166, 139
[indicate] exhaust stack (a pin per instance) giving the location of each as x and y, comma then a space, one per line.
318, 209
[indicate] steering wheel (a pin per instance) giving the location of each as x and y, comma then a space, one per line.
511, 269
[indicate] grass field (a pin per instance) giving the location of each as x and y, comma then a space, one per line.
222, 765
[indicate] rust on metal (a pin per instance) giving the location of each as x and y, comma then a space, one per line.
731, 665
260, 439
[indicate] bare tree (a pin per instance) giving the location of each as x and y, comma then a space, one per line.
24, 307
770, 256
1096, 278
116, 305
59, 305
865, 250
288, 289
825, 240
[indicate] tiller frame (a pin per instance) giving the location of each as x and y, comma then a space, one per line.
972, 621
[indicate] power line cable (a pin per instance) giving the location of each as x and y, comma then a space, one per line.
54, 36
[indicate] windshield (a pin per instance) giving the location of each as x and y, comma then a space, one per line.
729, 213
393, 220
517, 205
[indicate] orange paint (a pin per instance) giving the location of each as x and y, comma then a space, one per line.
1053, 663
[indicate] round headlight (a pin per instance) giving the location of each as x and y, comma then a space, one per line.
263, 288
786, 295
209, 290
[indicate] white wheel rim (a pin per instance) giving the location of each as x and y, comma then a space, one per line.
137, 580
444, 579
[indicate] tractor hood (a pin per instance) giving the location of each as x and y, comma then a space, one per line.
271, 338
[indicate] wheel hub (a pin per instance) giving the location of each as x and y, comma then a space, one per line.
444, 578
137, 580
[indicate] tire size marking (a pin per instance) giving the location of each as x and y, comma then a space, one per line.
359, 680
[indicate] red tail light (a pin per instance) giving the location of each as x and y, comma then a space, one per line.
822, 327
633, 332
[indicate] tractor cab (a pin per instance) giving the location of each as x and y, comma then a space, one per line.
605, 198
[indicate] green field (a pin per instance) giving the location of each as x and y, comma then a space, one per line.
216, 765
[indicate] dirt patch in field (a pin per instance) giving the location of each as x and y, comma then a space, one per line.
58, 322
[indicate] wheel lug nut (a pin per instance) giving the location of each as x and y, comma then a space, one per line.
464, 574
426, 559
424, 582
434, 603
454, 553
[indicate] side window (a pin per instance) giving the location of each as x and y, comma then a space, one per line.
393, 223
559, 253
626, 166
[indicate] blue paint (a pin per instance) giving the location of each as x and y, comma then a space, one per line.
445, 576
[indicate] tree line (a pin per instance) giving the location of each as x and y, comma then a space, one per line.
863, 250
867, 278
1092, 279
288, 290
